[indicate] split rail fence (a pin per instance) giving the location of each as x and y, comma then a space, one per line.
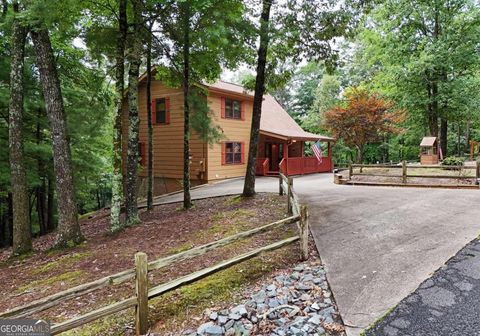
404, 167
296, 214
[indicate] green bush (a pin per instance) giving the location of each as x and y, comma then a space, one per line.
453, 161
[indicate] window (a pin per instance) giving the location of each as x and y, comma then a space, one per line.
141, 153
232, 109
233, 152
161, 111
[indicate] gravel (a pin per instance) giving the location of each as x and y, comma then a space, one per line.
292, 304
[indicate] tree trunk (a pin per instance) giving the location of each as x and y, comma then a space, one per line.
117, 176
68, 232
459, 139
134, 58
22, 240
149, 121
249, 186
467, 137
444, 136
187, 201
50, 203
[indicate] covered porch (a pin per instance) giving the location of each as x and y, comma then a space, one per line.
285, 154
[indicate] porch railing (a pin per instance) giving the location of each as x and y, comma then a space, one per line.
305, 165
262, 166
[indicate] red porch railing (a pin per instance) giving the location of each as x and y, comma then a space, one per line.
262, 166
305, 165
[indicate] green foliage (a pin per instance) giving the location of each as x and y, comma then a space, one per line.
453, 161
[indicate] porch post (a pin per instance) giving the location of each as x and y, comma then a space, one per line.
330, 155
285, 156
303, 157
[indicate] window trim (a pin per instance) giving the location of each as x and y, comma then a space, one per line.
154, 111
224, 152
223, 108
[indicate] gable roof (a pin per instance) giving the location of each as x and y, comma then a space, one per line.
275, 121
428, 141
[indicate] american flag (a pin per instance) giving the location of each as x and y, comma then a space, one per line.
317, 150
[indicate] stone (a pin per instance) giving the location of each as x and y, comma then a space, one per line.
315, 319
295, 276
305, 297
303, 287
272, 293
222, 319
229, 324
273, 303
259, 297
234, 316
315, 306
230, 332
214, 331
203, 327
240, 310
299, 268
213, 316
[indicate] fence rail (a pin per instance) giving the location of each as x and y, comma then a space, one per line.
297, 213
404, 167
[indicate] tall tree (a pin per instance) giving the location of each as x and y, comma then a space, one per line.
22, 241
134, 56
149, 119
197, 37
68, 231
249, 186
302, 30
117, 176
423, 50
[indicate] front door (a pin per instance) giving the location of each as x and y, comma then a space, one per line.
274, 152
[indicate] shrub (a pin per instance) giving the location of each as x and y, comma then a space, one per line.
453, 161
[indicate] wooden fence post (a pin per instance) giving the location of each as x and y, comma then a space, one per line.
350, 171
289, 196
304, 232
280, 187
141, 290
404, 172
477, 171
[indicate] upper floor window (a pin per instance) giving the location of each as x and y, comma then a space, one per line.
232, 109
161, 111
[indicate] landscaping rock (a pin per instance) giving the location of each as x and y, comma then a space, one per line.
292, 304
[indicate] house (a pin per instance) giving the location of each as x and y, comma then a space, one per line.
281, 142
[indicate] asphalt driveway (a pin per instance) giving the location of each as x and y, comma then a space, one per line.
378, 243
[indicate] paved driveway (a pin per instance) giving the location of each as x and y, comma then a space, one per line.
378, 243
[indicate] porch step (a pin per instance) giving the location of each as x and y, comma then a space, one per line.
272, 173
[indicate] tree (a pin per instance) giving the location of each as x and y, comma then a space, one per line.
423, 50
134, 59
22, 241
327, 95
117, 176
249, 186
68, 227
302, 30
364, 119
197, 38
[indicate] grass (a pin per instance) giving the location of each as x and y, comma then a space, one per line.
235, 200
175, 307
182, 248
51, 280
380, 319
64, 261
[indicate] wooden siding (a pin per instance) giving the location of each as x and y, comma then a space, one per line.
233, 130
168, 138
